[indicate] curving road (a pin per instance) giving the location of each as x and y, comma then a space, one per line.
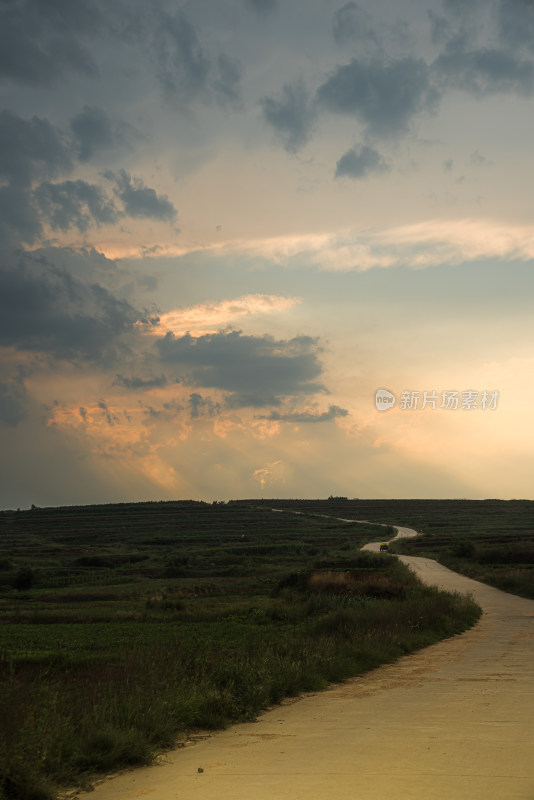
452, 722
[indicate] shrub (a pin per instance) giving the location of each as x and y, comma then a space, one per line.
24, 579
464, 549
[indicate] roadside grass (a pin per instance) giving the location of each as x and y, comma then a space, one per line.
506, 565
62, 722
95, 679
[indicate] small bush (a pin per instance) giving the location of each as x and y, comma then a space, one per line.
464, 549
161, 600
24, 579
97, 562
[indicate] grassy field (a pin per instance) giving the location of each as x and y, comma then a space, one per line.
123, 627
488, 540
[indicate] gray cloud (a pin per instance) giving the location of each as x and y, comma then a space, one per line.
440, 27
484, 70
30, 149
92, 130
361, 161
135, 383
263, 6
383, 96
460, 8
257, 371
42, 42
203, 406
227, 80
19, 218
183, 65
110, 417
13, 400
292, 116
352, 23
516, 22
479, 160
75, 203
47, 310
457, 19
185, 69
325, 416
140, 200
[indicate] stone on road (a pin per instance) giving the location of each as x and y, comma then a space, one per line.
454, 721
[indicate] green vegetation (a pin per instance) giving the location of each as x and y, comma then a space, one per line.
489, 540
126, 626
503, 559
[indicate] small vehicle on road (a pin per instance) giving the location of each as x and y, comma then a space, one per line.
384, 547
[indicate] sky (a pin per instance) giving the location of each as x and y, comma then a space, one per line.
225, 225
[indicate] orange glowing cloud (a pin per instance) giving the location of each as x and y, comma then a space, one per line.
272, 473
111, 432
423, 244
209, 317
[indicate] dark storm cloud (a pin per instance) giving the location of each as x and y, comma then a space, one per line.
484, 71
203, 406
140, 200
135, 383
384, 96
30, 148
32, 152
460, 8
19, 218
88, 266
47, 310
13, 399
227, 80
75, 204
457, 18
325, 416
256, 370
352, 23
263, 6
361, 161
516, 22
92, 130
185, 68
440, 27
291, 116
41, 42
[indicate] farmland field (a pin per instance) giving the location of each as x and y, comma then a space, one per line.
488, 540
125, 627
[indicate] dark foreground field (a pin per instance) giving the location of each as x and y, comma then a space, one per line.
124, 627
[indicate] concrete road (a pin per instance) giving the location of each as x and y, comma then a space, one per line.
402, 533
452, 722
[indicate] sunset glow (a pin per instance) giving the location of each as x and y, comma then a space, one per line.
223, 231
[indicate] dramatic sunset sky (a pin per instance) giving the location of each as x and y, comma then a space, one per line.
225, 224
